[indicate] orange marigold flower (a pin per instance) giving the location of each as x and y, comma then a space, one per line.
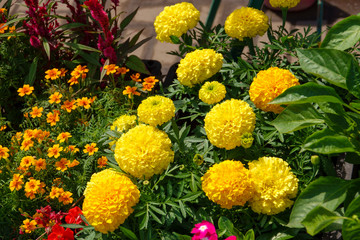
83, 102
3, 10
102, 162
111, 69
16, 183
73, 163
26, 144
92, 99
62, 164
40, 164
151, 80
79, 71
3, 28
131, 91
36, 112
90, 149
73, 80
3, 127
135, 77
28, 226
4, 152
53, 74
66, 198
72, 148
54, 151
147, 86
11, 30
32, 186
28, 134
55, 192
55, 98
64, 136
63, 71
53, 118
27, 161
25, 90
122, 71
69, 105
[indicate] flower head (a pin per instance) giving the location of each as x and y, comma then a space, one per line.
144, 151
175, 20
124, 123
55, 97
25, 90
54, 151
53, 117
199, 65
62, 165
228, 184
59, 232
36, 112
156, 110
17, 182
109, 199
64, 136
90, 149
268, 84
102, 162
111, 69
83, 102
131, 91
4, 152
65, 198
69, 105
39, 164
122, 70
227, 122
212, 92
204, 230
246, 22
276, 186
53, 74
284, 3
28, 226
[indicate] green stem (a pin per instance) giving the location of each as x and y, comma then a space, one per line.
250, 44
284, 16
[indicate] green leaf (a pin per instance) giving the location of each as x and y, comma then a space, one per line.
351, 228
333, 65
79, 46
128, 19
71, 26
134, 63
353, 79
280, 234
181, 237
30, 78
90, 58
328, 192
344, 34
318, 219
144, 222
76, 226
46, 47
182, 209
128, 233
296, 117
175, 39
250, 235
193, 183
191, 196
308, 93
155, 217
159, 211
225, 225
328, 142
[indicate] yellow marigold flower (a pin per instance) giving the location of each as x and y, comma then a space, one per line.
274, 188
199, 65
52, 118
4, 152
268, 84
102, 162
73, 163
16, 183
36, 112
28, 226
39, 164
109, 199
144, 151
90, 149
228, 184
55, 192
62, 165
227, 122
131, 91
25, 90
83, 102
66, 198
246, 22
69, 105
54, 151
55, 98
284, 3
212, 92
124, 123
27, 161
53, 74
64, 136
156, 110
175, 20
111, 69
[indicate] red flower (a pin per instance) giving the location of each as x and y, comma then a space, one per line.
73, 217
59, 233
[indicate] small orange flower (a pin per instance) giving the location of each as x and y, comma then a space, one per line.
79, 71
135, 77
64, 136
40, 164
55, 98
102, 162
53, 74
11, 30
151, 80
53, 118
131, 91
62, 164
4, 152
26, 89
3, 10
111, 69
26, 144
83, 102
73, 80
147, 86
55, 192
3, 127
36, 112
16, 183
73, 163
72, 148
90, 149
3, 28
32, 186
122, 71
69, 105
28, 226
66, 198
27, 161
54, 151
63, 71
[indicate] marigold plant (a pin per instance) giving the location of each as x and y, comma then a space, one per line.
284, 3
212, 92
156, 110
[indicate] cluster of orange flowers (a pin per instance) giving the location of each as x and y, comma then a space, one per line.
78, 73
4, 27
63, 196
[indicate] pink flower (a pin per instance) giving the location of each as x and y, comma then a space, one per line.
204, 231
231, 238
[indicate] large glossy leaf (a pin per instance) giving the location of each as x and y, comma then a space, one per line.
307, 93
333, 65
343, 35
318, 219
328, 142
296, 117
351, 229
353, 79
134, 63
328, 192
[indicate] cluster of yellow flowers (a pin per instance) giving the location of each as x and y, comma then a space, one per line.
212, 92
109, 198
246, 22
156, 110
199, 65
268, 84
176, 20
227, 122
284, 3
230, 184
